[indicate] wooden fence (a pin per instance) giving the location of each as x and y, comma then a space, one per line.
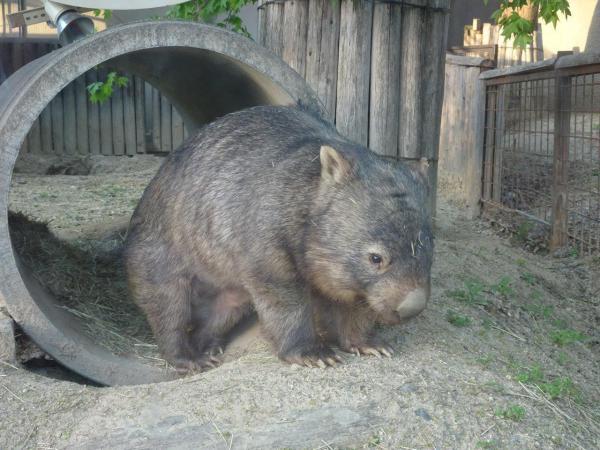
137, 118
461, 132
486, 41
378, 66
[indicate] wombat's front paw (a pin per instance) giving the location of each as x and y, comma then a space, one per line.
370, 347
185, 366
313, 356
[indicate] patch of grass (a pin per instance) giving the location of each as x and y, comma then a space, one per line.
521, 262
522, 232
458, 320
528, 278
485, 360
110, 191
494, 386
503, 287
531, 376
487, 323
538, 310
560, 323
556, 388
374, 441
566, 337
560, 387
513, 412
46, 196
563, 359
488, 444
536, 295
471, 294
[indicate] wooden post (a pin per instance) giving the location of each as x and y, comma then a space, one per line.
432, 94
354, 67
384, 110
295, 28
461, 132
271, 25
411, 82
562, 124
322, 51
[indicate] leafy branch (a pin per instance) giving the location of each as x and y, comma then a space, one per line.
520, 29
193, 10
208, 10
106, 14
100, 91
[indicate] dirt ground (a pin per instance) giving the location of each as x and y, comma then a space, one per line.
505, 356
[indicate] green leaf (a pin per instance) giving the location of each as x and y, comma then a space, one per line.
209, 10
101, 91
519, 29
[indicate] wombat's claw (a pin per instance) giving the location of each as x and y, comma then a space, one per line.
320, 359
378, 351
189, 366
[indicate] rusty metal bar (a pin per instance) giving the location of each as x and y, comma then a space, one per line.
490, 131
562, 127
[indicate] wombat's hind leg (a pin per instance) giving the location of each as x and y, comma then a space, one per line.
166, 303
215, 318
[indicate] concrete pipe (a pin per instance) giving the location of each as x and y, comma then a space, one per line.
205, 72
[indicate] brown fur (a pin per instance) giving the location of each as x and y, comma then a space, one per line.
271, 210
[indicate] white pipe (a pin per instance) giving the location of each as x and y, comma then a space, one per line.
54, 10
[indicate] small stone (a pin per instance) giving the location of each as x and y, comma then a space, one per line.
408, 388
423, 414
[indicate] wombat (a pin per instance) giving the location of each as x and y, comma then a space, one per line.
270, 209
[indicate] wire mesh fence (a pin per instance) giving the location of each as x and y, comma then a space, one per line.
542, 153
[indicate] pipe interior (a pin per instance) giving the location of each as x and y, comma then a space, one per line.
202, 85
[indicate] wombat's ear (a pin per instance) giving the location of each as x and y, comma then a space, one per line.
334, 166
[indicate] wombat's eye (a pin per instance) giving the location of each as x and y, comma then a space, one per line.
375, 259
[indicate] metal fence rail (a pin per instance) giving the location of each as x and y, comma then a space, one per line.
542, 147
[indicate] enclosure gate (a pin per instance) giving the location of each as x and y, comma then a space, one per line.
542, 148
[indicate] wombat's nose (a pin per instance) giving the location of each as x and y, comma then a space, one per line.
413, 304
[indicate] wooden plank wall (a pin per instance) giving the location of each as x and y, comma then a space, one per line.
378, 67
137, 119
